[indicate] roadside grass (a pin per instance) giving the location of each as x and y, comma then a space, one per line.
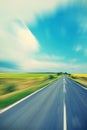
80, 78
14, 87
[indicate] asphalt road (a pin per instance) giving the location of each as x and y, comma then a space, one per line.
60, 106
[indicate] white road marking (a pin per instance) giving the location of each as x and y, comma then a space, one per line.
64, 118
64, 109
64, 89
64, 81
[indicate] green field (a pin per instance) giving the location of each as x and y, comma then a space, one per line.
15, 86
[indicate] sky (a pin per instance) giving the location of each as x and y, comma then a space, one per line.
43, 36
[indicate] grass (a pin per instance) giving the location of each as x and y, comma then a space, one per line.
80, 78
14, 87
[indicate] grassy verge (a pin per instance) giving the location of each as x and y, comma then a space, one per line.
21, 92
80, 78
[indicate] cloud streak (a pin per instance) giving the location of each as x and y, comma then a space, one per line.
16, 47
81, 48
78, 48
19, 46
41, 66
27, 9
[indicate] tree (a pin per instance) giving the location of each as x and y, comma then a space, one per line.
51, 76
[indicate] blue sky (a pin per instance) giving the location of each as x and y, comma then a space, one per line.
41, 36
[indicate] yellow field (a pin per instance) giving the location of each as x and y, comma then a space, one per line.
81, 78
80, 75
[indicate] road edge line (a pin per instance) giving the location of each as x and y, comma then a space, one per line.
14, 104
79, 84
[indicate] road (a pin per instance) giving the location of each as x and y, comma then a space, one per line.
60, 106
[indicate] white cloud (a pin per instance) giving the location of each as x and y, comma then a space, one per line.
36, 66
18, 44
27, 10
74, 60
78, 48
47, 57
15, 41
27, 41
22, 47
40, 65
81, 48
17, 47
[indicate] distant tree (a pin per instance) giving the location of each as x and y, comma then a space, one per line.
51, 76
59, 73
66, 73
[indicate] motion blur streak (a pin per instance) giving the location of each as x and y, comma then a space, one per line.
45, 109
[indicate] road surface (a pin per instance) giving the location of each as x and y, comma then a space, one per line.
60, 106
